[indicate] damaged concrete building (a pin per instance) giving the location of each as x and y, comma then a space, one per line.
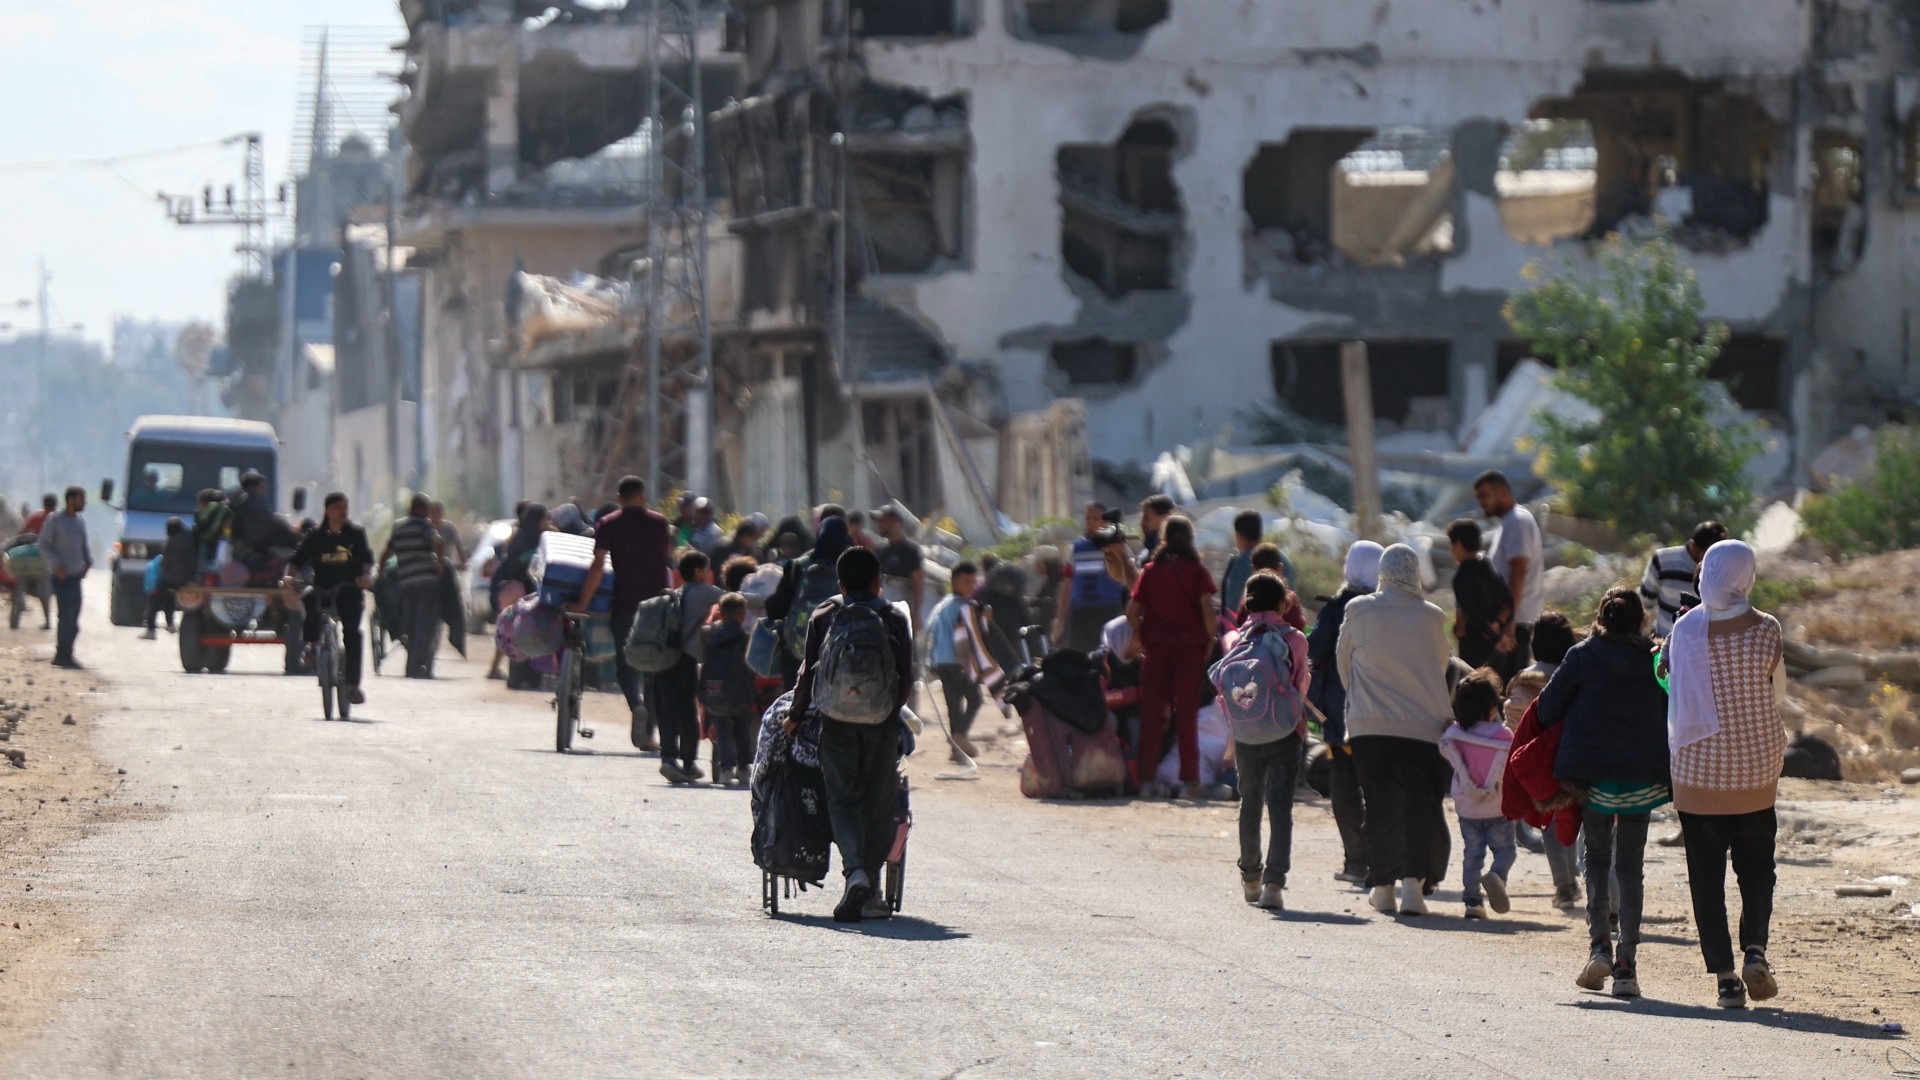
525, 164
1172, 211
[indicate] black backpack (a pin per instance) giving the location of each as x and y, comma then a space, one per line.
818, 583
726, 683
855, 680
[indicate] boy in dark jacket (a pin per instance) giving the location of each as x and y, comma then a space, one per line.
178, 561
859, 762
727, 691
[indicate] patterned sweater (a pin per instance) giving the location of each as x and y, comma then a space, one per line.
1737, 769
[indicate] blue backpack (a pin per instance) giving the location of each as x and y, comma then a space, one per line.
1254, 680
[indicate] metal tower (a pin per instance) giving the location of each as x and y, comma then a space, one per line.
249, 212
678, 357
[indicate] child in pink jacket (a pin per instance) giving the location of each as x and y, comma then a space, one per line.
1476, 745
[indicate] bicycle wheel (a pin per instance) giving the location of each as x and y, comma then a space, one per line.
566, 701
896, 879
323, 667
340, 695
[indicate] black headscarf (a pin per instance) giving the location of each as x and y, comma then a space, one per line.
833, 541
526, 535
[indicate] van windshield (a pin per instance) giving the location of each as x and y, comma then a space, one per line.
165, 478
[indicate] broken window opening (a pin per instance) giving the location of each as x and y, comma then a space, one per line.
1839, 191
1096, 361
1666, 145
1546, 181
910, 210
1122, 211
582, 395
1749, 365
906, 18
1412, 383
1354, 195
900, 444
1099, 29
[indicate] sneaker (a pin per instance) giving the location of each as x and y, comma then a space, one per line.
1733, 994
876, 907
67, 662
692, 769
149, 635
1566, 897
1250, 888
1270, 898
1193, 793
1413, 900
355, 695
1475, 911
1496, 887
854, 900
674, 774
1626, 981
1594, 975
1223, 792
1351, 877
1381, 897
1758, 975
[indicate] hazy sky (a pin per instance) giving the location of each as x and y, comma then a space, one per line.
88, 79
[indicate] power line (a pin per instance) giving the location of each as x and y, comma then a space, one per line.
109, 161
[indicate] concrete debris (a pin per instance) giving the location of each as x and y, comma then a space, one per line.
1863, 890
1777, 530
1910, 776
1845, 460
1512, 419
1835, 677
549, 307
17, 758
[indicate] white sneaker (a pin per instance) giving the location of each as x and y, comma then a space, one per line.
1381, 897
1474, 911
1496, 887
1413, 900
1270, 898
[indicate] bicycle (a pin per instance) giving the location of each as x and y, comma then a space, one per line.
570, 684
328, 662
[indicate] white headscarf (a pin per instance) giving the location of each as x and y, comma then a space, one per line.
1117, 635
1400, 570
1363, 565
1726, 577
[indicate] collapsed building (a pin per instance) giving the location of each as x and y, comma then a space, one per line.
1000, 254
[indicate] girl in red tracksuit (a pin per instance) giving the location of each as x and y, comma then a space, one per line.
1173, 615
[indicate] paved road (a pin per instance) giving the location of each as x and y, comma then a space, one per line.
430, 891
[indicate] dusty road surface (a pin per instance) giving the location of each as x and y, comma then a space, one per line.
430, 891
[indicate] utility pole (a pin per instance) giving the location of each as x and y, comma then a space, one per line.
1356, 386
40, 375
248, 210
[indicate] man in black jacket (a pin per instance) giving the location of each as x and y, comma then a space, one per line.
859, 762
342, 560
257, 530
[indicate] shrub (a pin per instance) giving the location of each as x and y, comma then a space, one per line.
1879, 512
1631, 342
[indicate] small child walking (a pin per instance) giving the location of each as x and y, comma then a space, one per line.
1476, 745
727, 692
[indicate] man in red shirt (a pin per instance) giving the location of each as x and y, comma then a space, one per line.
48, 504
638, 542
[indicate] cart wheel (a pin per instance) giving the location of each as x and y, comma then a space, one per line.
896, 881
769, 892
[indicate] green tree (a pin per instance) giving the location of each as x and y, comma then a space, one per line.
1630, 341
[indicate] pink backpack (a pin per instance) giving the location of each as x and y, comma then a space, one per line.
1254, 680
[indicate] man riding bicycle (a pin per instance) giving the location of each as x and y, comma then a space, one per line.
338, 554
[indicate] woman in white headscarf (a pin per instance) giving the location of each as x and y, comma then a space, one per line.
1329, 695
1723, 725
1392, 656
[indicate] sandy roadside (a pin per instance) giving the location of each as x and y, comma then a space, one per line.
52, 796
